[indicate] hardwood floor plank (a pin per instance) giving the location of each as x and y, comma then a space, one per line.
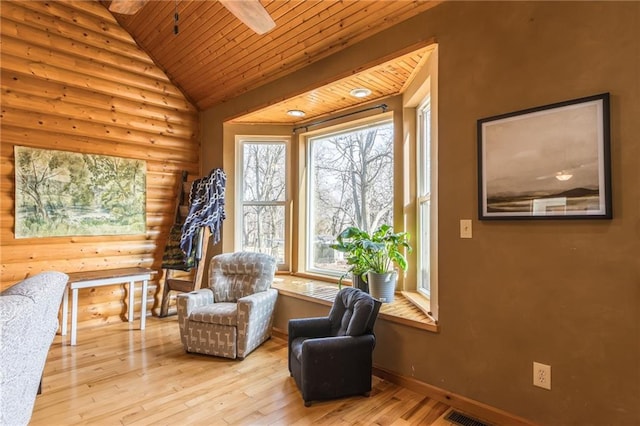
120, 375
433, 414
401, 402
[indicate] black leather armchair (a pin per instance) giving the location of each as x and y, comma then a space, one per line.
331, 357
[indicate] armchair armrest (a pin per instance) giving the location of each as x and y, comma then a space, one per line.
194, 299
255, 319
187, 302
256, 304
309, 327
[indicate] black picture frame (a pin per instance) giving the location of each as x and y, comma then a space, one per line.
547, 162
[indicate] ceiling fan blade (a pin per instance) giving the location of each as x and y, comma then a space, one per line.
126, 7
251, 13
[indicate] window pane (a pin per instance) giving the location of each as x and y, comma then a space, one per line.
426, 143
424, 188
263, 230
264, 172
261, 215
351, 183
425, 246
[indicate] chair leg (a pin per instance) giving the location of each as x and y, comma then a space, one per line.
164, 305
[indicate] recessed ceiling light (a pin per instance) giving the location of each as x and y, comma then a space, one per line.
360, 92
296, 113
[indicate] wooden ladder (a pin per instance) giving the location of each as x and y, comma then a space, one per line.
183, 277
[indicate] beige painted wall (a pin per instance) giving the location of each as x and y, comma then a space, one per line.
565, 293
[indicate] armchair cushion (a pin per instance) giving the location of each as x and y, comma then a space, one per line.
350, 313
235, 275
216, 313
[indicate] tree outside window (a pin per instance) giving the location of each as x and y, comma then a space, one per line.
263, 196
351, 184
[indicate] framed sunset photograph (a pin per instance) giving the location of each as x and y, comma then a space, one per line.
548, 162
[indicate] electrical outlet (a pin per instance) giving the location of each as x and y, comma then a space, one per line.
542, 375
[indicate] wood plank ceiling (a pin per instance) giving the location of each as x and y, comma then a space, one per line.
214, 57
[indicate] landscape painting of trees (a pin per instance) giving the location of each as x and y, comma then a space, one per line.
63, 193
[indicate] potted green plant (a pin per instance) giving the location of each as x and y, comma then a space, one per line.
378, 254
348, 242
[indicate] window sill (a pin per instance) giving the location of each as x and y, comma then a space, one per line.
403, 310
421, 302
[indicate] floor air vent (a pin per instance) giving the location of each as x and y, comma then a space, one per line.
463, 420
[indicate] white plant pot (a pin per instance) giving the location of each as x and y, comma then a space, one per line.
382, 286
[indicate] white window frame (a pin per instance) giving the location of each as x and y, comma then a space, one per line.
378, 119
240, 203
427, 195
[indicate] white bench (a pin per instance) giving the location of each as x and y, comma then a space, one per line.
87, 279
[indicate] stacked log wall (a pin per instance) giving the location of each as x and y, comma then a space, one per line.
74, 80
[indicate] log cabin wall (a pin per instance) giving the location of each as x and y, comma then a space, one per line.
74, 80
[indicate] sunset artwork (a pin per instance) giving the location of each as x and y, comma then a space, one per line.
546, 162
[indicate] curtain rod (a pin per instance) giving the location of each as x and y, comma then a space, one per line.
315, 123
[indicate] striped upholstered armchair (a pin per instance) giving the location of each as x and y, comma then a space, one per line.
235, 314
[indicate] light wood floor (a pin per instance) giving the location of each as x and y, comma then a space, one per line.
120, 375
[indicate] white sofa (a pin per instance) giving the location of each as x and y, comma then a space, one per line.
28, 323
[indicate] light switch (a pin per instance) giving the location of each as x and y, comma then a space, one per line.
465, 228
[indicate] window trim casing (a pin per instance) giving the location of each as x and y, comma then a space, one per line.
431, 197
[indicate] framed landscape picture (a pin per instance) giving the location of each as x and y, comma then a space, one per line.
62, 193
548, 162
